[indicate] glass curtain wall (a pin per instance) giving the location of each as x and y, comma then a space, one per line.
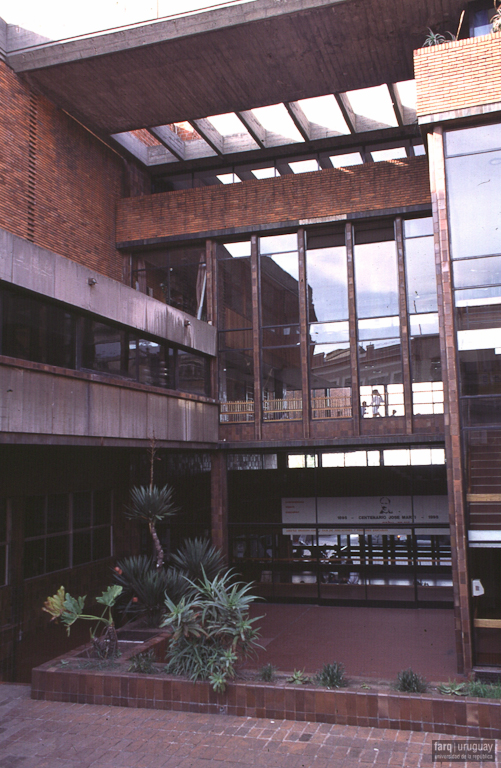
379, 347
329, 350
236, 360
281, 354
426, 369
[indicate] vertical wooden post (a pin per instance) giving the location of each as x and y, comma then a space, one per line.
353, 335
455, 475
211, 299
219, 502
256, 338
404, 326
303, 333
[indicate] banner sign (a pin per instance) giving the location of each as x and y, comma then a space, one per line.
366, 511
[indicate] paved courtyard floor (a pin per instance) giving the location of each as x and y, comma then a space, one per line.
38, 734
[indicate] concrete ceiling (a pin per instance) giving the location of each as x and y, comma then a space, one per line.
232, 59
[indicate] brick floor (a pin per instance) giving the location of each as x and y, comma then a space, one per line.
38, 734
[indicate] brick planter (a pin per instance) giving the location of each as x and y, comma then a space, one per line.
459, 716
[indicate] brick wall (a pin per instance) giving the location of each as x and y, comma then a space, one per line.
375, 186
58, 183
458, 75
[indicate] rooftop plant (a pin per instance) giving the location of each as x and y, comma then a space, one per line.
436, 38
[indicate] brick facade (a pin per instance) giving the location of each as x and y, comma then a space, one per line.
58, 183
370, 187
458, 75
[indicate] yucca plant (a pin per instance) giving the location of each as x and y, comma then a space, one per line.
409, 681
496, 19
435, 38
145, 586
332, 676
197, 557
211, 629
152, 505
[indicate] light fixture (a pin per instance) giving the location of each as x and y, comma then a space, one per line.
92, 281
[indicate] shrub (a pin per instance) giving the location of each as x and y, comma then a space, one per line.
484, 690
410, 682
197, 557
267, 673
211, 630
145, 587
298, 678
332, 676
143, 663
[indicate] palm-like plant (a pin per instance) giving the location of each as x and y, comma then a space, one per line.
197, 558
496, 19
145, 586
152, 505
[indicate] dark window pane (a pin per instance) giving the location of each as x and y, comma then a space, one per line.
376, 279
234, 291
102, 507
106, 349
281, 336
155, 363
475, 316
177, 276
34, 562
480, 371
3, 520
57, 553
236, 376
57, 513
82, 547
192, 373
481, 410
326, 269
279, 280
82, 509
34, 516
474, 190
235, 340
101, 543
282, 385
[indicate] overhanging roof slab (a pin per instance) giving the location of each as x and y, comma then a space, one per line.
231, 59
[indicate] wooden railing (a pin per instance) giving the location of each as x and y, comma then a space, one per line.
283, 408
236, 411
331, 407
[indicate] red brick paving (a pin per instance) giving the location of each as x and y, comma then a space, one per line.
37, 734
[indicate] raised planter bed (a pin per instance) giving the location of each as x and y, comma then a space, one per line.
64, 680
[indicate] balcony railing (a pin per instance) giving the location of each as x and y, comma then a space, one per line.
283, 408
236, 411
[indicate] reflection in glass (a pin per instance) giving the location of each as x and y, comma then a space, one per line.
326, 269
279, 280
469, 140
282, 388
106, 349
421, 275
418, 227
236, 385
330, 381
426, 367
154, 363
327, 333
234, 289
192, 373
379, 328
474, 190
376, 279
380, 372
471, 272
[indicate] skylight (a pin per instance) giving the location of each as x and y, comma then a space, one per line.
374, 104
407, 92
304, 166
325, 111
276, 119
227, 124
344, 161
388, 154
228, 178
265, 173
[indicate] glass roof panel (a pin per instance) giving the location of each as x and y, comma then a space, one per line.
407, 92
388, 154
374, 103
304, 166
324, 110
276, 119
344, 161
227, 124
228, 178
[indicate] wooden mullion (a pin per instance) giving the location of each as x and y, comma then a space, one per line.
256, 346
404, 326
303, 333
352, 323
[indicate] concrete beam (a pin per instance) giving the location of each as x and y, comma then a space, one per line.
133, 145
209, 134
256, 130
347, 111
397, 104
299, 119
170, 140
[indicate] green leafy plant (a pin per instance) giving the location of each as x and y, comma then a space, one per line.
145, 587
409, 681
152, 505
267, 673
484, 690
67, 609
435, 38
197, 557
496, 19
452, 688
211, 629
332, 676
143, 663
298, 677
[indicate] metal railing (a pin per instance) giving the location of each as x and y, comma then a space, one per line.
331, 407
236, 411
283, 408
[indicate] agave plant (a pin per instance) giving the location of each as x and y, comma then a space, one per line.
197, 557
496, 19
152, 505
435, 38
